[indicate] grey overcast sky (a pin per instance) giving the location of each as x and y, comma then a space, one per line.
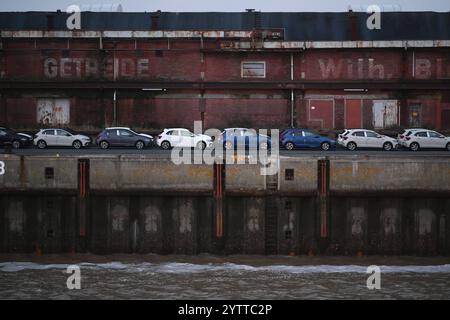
230, 5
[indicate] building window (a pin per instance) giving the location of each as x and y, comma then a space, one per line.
253, 69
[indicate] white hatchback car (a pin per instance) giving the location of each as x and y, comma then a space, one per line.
60, 138
401, 137
180, 137
362, 138
426, 139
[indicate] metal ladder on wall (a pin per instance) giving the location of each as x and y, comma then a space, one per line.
271, 218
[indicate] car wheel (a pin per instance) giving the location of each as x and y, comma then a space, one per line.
387, 146
140, 145
325, 146
165, 145
351, 146
77, 144
263, 145
16, 144
104, 145
228, 145
414, 146
289, 146
42, 144
448, 147
201, 145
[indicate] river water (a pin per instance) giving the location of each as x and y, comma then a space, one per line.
231, 277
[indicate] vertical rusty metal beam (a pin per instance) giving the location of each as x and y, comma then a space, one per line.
219, 201
83, 199
438, 113
323, 186
292, 122
202, 107
115, 122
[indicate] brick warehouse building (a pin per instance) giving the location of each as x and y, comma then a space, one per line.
262, 70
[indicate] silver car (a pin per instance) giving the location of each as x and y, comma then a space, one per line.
60, 138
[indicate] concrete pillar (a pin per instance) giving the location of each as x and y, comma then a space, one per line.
389, 216
426, 227
356, 227
150, 225
184, 218
254, 221
119, 224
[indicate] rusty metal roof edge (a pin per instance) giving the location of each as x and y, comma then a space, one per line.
271, 44
127, 34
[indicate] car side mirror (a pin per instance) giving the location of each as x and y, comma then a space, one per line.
379, 137
442, 137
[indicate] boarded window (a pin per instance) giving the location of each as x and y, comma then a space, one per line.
385, 113
53, 111
253, 69
415, 115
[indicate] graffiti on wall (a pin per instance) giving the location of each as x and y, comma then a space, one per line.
53, 111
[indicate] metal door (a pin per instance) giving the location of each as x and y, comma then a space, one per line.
385, 113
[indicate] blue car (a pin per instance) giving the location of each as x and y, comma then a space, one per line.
305, 138
233, 137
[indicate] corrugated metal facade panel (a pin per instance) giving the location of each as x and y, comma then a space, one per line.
341, 26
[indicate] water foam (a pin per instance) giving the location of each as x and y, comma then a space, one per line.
179, 268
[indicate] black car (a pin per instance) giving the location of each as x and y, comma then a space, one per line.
14, 139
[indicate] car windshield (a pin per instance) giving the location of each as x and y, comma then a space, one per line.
7, 130
311, 133
133, 131
72, 132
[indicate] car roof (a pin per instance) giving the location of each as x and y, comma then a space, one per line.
117, 128
167, 129
298, 129
229, 129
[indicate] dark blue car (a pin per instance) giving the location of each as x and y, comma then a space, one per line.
233, 137
305, 138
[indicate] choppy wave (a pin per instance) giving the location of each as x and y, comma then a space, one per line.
178, 268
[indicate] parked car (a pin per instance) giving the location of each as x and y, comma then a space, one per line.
15, 139
406, 133
123, 137
305, 138
180, 137
232, 137
61, 138
426, 139
362, 138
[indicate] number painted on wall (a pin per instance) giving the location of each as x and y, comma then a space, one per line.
2, 168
